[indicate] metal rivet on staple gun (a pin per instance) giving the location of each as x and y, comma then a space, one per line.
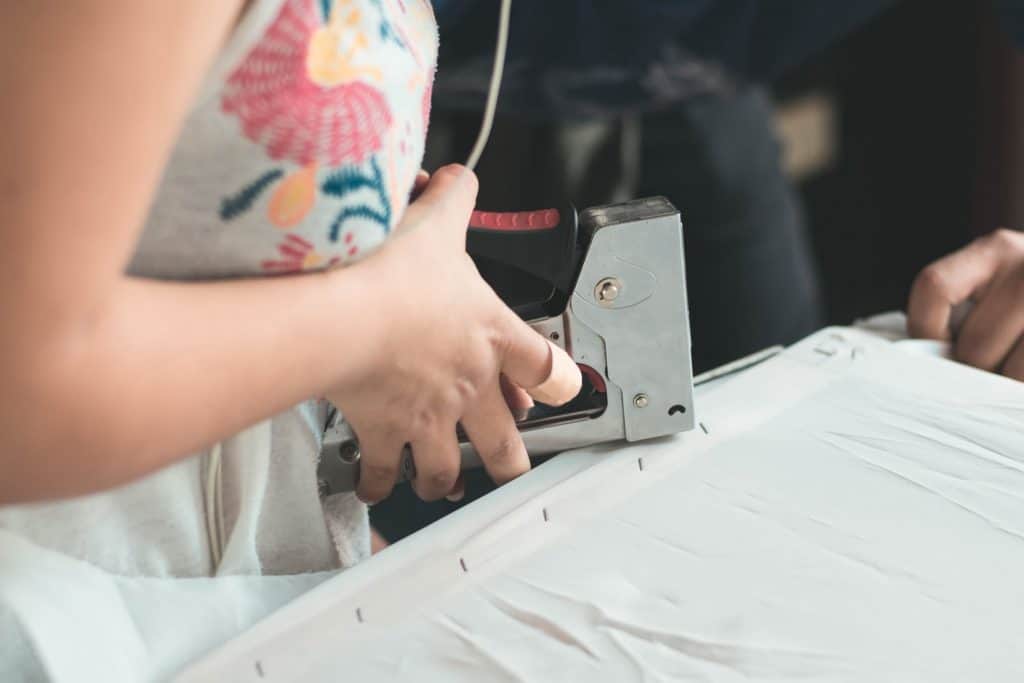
348, 452
641, 401
607, 290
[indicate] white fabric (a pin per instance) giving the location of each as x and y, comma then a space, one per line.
157, 526
849, 511
65, 620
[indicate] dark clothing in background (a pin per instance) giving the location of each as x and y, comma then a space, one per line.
750, 275
582, 58
579, 58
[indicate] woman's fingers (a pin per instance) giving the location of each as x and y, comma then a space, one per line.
517, 399
545, 371
436, 455
380, 456
949, 281
1014, 365
995, 325
491, 429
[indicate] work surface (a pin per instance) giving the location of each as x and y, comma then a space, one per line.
847, 511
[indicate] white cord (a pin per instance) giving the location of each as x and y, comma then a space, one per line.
215, 507
492, 91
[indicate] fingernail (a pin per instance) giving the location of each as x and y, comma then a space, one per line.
460, 174
458, 491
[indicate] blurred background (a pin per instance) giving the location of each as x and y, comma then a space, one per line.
916, 143
820, 153
901, 138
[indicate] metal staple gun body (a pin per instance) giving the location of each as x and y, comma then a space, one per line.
609, 287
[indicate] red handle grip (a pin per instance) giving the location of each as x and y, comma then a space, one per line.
515, 221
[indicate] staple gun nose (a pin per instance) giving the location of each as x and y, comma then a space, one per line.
607, 285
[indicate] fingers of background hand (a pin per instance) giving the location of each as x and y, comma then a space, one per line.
447, 200
995, 324
546, 372
493, 432
380, 455
950, 281
437, 459
1014, 365
516, 398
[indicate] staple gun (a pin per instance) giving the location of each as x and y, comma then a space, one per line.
607, 285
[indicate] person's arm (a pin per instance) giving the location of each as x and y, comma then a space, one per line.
107, 377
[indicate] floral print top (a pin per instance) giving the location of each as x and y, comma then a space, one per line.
303, 145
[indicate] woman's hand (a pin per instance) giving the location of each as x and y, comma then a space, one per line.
990, 273
450, 342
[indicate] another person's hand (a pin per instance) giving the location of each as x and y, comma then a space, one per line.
448, 343
989, 273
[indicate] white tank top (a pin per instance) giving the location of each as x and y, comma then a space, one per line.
299, 154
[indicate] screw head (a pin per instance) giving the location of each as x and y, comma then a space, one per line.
641, 401
607, 290
349, 452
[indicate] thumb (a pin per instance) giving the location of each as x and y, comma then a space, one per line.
446, 202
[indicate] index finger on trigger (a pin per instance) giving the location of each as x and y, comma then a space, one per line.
947, 282
544, 370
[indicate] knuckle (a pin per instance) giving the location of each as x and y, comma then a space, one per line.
467, 387
930, 282
1005, 239
436, 482
493, 340
423, 420
505, 451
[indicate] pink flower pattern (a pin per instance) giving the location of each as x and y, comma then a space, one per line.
307, 93
299, 120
